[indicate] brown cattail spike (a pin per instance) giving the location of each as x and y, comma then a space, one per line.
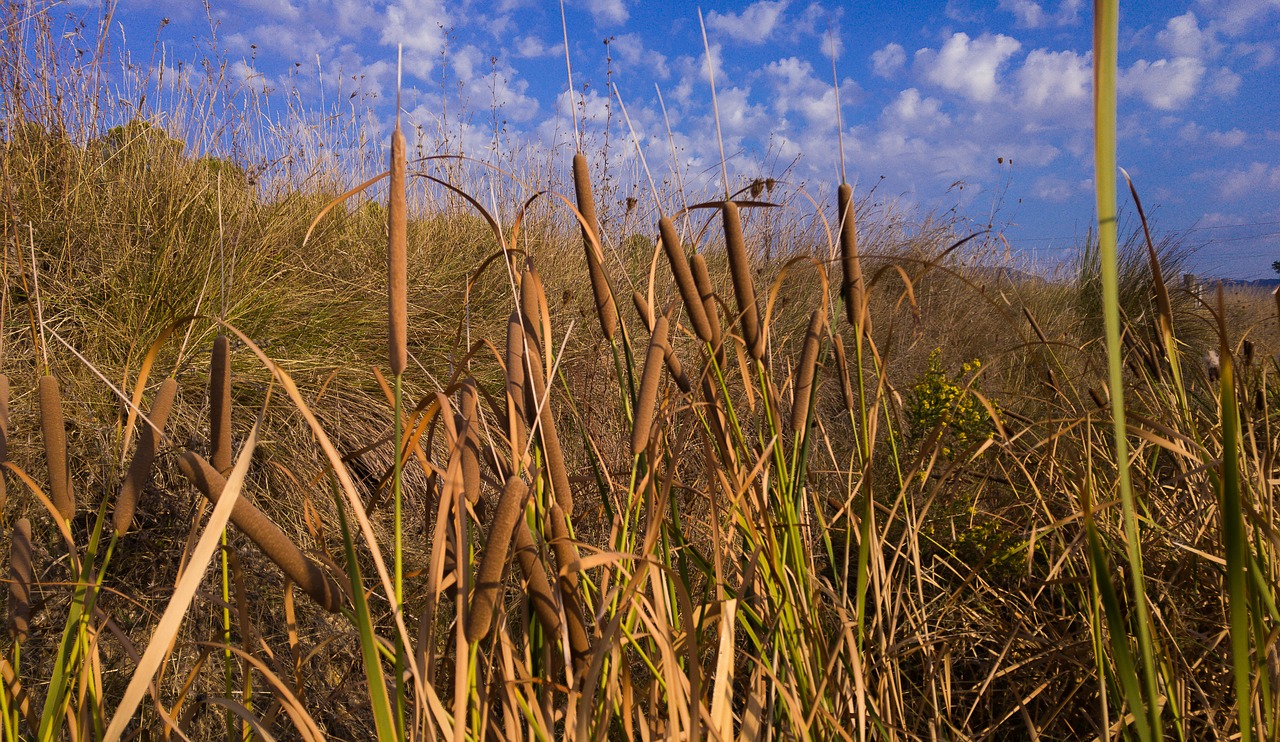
674, 367
684, 279
846, 384
805, 372
702, 279
139, 474
266, 534
851, 285
496, 550
21, 573
744, 287
397, 256
538, 587
515, 383
4, 436
469, 429
566, 554
649, 382
553, 454
642, 309
220, 406
54, 430
606, 309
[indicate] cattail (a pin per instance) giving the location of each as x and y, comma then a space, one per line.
846, 384
702, 279
674, 367
539, 588
496, 550
567, 553
139, 475
606, 309
515, 382
531, 301
744, 288
803, 392
1097, 398
553, 455
397, 256
468, 428
642, 309
266, 534
220, 406
4, 436
684, 279
649, 380
21, 574
55, 447
851, 286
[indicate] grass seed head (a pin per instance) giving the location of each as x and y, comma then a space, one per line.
851, 284
702, 278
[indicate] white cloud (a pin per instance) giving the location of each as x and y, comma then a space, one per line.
911, 111
753, 25
1183, 37
1164, 84
1232, 138
889, 60
1237, 16
1055, 79
1257, 176
1028, 14
531, 47
607, 12
420, 26
968, 66
1223, 83
797, 88
631, 50
1053, 189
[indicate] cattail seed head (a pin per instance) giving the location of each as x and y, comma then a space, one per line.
744, 287
642, 309
702, 279
515, 383
846, 384
497, 548
649, 382
802, 394
21, 573
469, 429
553, 454
220, 405
537, 585
139, 474
397, 256
606, 309
684, 278
851, 284
266, 534
674, 367
53, 427
567, 553
4, 435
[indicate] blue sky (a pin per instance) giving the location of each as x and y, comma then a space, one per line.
980, 106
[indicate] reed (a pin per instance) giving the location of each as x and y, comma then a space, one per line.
220, 405
497, 550
54, 430
606, 308
744, 286
21, 574
267, 535
138, 477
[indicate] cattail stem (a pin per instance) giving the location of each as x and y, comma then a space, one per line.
53, 428
266, 534
139, 474
744, 287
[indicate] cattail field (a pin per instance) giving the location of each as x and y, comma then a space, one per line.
464, 451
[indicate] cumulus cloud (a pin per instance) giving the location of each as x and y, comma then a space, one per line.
1031, 14
1257, 176
889, 60
967, 66
1223, 83
420, 26
532, 47
912, 111
753, 25
1183, 37
1237, 16
1053, 189
631, 50
797, 88
1165, 84
1232, 138
1054, 79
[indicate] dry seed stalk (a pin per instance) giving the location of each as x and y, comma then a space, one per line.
496, 550
744, 287
266, 534
684, 279
54, 430
21, 573
397, 257
649, 381
139, 474
851, 287
606, 309
702, 279
220, 406
805, 372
